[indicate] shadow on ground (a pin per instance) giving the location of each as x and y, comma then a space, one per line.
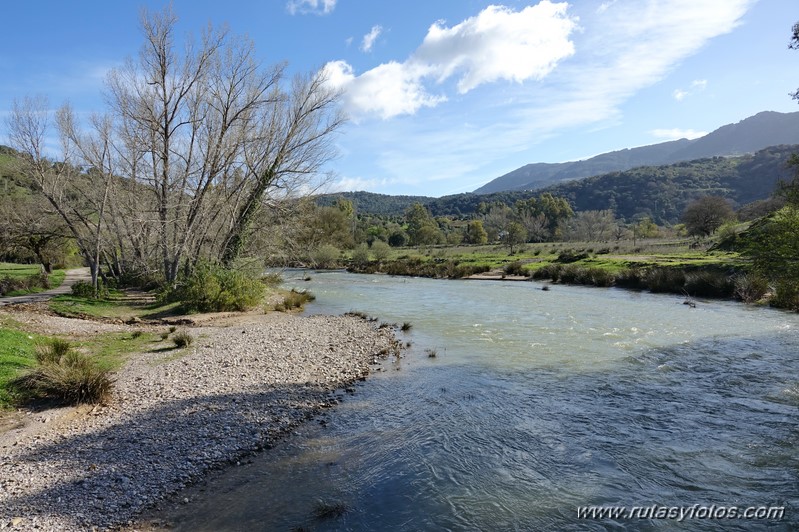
114, 472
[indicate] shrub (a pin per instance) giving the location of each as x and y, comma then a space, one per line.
600, 277
213, 288
630, 278
567, 257
295, 299
515, 268
750, 288
85, 289
360, 255
183, 339
665, 280
73, 378
460, 271
550, 271
707, 283
326, 256
380, 250
406, 326
786, 295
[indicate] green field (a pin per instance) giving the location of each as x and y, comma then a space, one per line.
26, 278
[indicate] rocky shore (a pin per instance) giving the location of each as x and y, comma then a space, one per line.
175, 417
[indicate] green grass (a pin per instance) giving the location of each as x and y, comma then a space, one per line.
603, 258
110, 350
76, 307
17, 353
21, 272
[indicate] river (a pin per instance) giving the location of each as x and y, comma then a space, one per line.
536, 403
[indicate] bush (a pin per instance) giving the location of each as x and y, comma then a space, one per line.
73, 378
12, 284
550, 271
326, 256
516, 268
786, 295
750, 288
85, 289
630, 278
380, 250
707, 283
360, 255
665, 280
567, 257
183, 339
213, 288
295, 299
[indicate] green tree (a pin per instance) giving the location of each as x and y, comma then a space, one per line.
515, 234
422, 228
703, 216
475, 233
773, 246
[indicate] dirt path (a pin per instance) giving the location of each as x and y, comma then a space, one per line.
72, 277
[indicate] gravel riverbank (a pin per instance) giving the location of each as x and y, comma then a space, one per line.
174, 417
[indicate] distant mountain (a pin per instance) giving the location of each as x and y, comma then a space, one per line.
663, 192
760, 131
659, 192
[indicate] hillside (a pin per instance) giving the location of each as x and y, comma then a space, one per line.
660, 192
663, 192
747, 136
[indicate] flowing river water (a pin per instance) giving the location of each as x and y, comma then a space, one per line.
536, 403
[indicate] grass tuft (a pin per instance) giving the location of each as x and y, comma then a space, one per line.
183, 339
64, 375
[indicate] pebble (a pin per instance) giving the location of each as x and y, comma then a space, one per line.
172, 421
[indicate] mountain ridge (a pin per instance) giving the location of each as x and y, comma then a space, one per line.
754, 133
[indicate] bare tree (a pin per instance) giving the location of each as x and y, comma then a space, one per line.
196, 144
591, 226
75, 195
209, 134
293, 143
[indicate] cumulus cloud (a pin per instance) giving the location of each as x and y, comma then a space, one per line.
388, 90
619, 50
497, 44
370, 38
697, 85
676, 134
316, 7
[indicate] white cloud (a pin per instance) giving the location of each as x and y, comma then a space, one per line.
497, 44
618, 51
500, 43
676, 134
388, 90
370, 38
697, 85
316, 7
680, 94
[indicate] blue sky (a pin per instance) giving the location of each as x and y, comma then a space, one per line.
445, 95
